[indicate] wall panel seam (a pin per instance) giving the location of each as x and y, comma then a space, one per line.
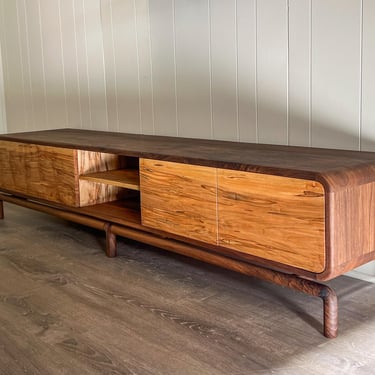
104, 63
63, 63
77, 65
25, 117
175, 65
360, 78
210, 66
238, 137
138, 67
43, 64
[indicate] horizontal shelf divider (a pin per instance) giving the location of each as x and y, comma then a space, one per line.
125, 178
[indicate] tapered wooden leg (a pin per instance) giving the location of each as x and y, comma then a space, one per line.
1, 210
111, 241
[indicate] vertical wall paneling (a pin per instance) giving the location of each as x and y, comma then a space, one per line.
14, 80
272, 71
3, 126
246, 70
368, 77
70, 63
3, 69
142, 19
111, 66
299, 72
192, 69
224, 69
126, 69
93, 37
335, 73
36, 65
79, 23
163, 66
25, 63
53, 64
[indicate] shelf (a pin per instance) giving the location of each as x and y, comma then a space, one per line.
125, 178
125, 212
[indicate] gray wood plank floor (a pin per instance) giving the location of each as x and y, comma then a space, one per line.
67, 309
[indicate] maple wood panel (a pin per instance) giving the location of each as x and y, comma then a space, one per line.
39, 171
92, 192
179, 198
272, 217
125, 178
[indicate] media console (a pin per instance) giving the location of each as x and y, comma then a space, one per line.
289, 215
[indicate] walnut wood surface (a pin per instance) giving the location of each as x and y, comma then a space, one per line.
273, 217
179, 199
125, 178
352, 225
335, 169
39, 171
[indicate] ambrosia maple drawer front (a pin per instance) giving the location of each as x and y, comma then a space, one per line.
39, 171
272, 217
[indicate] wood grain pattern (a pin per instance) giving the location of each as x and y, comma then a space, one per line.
39, 171
276, 218
91, 193
125, 178
352, 226
179, 199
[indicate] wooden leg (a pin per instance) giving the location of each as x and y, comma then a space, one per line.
330, 308
111, 242
1, 210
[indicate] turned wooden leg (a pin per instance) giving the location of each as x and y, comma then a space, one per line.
1, 210
111, 242
330, 310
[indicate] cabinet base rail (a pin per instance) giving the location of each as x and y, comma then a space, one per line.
309, 287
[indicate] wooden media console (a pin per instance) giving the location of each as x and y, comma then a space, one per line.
293, 216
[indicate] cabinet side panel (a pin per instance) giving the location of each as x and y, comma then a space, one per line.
38, 171
352, 226
91, 193
271, 217
179, 199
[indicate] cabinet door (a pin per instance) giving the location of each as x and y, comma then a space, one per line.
179, 199
39, 171
272, 217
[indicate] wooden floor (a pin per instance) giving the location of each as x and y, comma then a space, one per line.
67, 309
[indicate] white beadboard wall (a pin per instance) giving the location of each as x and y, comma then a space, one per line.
273, 71
3, 127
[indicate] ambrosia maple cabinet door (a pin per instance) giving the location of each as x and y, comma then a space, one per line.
179, 199
39, 171
272, 217
52, 173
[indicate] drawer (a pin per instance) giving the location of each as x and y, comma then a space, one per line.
275, 218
